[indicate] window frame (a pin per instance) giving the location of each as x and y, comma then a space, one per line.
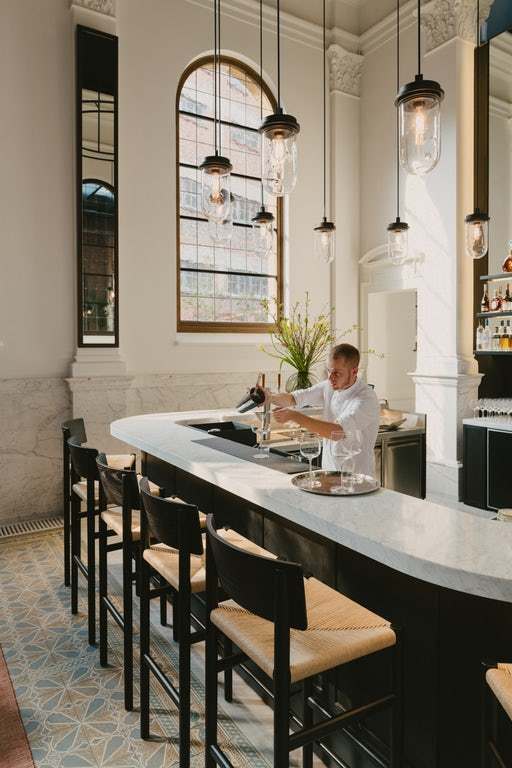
196, 326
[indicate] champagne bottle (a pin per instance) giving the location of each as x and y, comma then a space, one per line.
484, 304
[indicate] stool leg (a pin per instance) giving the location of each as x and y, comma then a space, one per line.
75, 550
67, 526
144, 649
163, 610
228, 673
307, 720
281, 718
397, 734
176, 616
91, 563
210, 694
103, 592
184, 680
128, 623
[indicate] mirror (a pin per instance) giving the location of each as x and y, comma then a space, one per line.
97, 214
500, 150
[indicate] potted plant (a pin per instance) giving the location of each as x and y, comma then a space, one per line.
300, 340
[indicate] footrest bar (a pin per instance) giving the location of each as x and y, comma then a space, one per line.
158, 592
81, 566
118, 618
227, 662
219, 757
162, 678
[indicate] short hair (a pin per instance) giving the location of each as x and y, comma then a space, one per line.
346, 352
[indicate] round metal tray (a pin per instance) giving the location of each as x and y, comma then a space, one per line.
329, 479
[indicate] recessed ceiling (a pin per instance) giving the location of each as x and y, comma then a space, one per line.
355, 16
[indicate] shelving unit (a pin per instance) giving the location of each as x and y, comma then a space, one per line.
501, 313
498, 276
480, 352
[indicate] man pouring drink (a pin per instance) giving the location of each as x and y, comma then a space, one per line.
349, 406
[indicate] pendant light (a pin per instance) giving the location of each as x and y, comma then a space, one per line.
398, 231
477, 223
216, 169
419, 111
325, 233
279, 132
263, 222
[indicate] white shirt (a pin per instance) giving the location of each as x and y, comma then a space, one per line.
354, 408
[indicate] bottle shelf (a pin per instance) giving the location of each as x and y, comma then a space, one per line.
501, 313
493, 352
498, 276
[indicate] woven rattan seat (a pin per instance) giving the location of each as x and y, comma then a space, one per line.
339, 630
116, 461
165, 560
500, 683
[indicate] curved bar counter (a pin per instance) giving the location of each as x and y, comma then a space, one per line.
442, 574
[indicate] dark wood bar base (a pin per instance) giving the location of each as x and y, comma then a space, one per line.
446, 635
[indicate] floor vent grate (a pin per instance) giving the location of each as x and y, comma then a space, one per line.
30, 526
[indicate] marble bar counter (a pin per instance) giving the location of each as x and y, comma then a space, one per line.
490, 422
434, 543
443, 575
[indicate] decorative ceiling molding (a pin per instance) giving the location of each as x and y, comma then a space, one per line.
385, 30
345, 70
106, 7
444, 20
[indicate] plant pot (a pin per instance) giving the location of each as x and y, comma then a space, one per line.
299, 380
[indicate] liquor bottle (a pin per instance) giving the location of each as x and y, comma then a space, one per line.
504, 339
484, 304
502, 336
479, 338
495, 340
487, 337
494, 302
507, 301
501, 300
509, 334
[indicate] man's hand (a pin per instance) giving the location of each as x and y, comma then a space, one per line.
286, 414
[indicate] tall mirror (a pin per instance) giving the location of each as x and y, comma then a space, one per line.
97, 208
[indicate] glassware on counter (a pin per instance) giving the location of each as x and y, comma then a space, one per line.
262, 433
310, 447
344, 450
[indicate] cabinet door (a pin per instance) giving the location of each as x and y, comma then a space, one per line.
402, 466
474, 467
499, 458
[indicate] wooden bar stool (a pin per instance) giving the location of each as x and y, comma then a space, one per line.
120, 489
72, 428
497, 680
292, 628
85, 488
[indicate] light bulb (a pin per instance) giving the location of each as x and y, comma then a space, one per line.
325, 241
279, 132
216, 188
477, 234
398, 241
263, 228
419, 126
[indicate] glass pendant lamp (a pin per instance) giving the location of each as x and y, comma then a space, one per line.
279, 133
419, 114
216, 169
476, 224
398, 231
263, 222
325, 233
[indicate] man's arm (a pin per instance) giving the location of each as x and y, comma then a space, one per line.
282, 400
320, 426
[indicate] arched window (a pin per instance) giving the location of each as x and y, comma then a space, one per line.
220, 288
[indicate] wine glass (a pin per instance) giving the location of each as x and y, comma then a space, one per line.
262, 433
310, 447
344, 450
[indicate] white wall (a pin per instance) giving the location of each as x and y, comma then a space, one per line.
157, 41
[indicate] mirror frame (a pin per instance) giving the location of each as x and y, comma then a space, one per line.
96, 70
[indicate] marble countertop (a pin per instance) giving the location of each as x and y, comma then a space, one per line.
490, 422
428, 541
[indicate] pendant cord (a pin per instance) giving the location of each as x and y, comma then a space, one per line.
215, 77
278, 56
219, 68
477, 137
419, 37
397, 109
325, 118
261, 94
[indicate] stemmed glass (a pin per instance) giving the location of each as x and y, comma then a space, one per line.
262, 433
310, 447
344, 450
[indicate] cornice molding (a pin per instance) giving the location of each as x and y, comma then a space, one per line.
500, 108
345, 70
444, 20
385, 30
105, 7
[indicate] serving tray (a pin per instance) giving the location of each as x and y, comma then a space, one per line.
329, 479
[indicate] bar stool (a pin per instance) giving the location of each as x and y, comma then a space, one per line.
498, 680
72, 428
292, 628
85, 488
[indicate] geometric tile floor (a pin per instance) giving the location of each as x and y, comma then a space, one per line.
71, 707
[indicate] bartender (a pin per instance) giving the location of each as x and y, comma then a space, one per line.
348, 404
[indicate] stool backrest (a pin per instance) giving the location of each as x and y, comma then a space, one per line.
254, 581
74, 428
172, 522
120, 486
83, 459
